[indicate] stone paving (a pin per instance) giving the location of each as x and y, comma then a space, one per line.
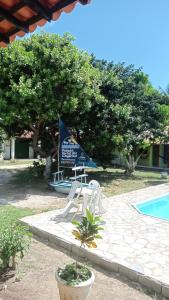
133, 244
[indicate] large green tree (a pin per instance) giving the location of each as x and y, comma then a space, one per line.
110, 106
43, 77
129, 120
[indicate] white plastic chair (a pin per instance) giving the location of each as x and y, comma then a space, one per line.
98, 201
94, 184
72, 198
94, 201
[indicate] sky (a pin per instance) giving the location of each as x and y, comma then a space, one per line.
131, 31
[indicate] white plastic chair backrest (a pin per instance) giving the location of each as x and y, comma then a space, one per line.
96, 195
75, 185
96, 201
94, 184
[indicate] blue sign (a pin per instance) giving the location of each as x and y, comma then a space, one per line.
70, 151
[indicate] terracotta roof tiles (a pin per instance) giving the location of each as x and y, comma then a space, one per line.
18, 17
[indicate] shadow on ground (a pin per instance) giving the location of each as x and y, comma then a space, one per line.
18, 191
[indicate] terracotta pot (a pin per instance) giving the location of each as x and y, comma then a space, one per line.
78, 292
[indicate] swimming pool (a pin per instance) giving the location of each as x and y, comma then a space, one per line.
158, 207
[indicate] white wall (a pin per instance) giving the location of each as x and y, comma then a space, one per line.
7, 149
31, 152
1, 151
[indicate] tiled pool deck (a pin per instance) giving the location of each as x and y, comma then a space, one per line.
133, 244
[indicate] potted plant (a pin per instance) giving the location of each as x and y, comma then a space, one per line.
75, 280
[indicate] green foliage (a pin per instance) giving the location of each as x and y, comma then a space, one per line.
37, 169
43, 76
127, 119
10, 214
14, 240
109, 106
74, 274
164, 110
87, 230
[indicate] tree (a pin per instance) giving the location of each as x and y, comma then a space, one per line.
43, 77
130, 118
164, 110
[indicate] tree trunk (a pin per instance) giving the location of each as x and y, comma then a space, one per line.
48, 167
14, 262
37, 148
130, 165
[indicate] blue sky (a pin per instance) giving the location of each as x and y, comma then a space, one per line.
131, 31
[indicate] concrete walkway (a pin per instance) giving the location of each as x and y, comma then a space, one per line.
133, 244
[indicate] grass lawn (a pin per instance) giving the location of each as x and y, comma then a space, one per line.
9, 214
115, 182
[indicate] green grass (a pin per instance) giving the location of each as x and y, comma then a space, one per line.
10, 214
24, 177
115, 182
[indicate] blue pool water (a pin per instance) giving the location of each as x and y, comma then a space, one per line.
158, 207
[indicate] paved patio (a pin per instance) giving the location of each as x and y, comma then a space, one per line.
133, 244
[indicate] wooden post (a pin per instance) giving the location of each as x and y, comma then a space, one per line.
12, 148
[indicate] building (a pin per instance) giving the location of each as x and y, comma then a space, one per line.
18, 147
156, 156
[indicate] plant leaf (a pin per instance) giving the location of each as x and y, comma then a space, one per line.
89, 216
91, 245
76, 234
76, 223
98, 236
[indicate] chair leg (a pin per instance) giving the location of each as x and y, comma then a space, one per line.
68, 207
100, 205
85, 203
78, 208
101, 208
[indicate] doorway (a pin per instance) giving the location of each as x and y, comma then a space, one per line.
166, 155
156, 153
22, 148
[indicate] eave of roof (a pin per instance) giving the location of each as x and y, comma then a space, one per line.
18, 17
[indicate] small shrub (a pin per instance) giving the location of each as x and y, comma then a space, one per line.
88, 230
14, 240
38, 168
74, 273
